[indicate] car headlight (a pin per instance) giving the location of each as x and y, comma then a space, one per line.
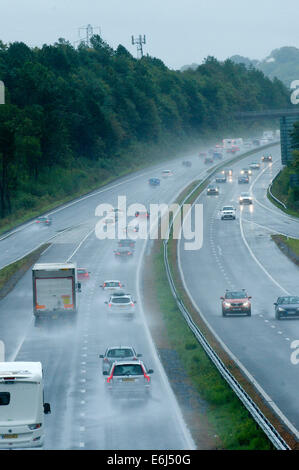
227, 304
280, 309
245, 304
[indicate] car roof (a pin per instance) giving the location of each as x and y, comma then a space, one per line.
129, 363
245, 194
109, 348
112, 280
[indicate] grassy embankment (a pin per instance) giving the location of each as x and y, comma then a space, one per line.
281, 190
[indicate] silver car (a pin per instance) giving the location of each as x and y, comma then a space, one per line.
118, 353
112, 286
122, 304
128, 379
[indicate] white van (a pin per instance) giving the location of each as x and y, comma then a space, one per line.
22, 406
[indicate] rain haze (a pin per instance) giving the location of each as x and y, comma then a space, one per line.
177, 32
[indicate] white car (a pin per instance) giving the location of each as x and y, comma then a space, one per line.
166, 173
112, 286
122, 304
228, 212
129, 379
255, 166
245, 198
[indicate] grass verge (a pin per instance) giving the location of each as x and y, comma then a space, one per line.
12, 273
289, 246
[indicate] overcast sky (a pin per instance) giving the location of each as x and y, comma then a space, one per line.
177, 31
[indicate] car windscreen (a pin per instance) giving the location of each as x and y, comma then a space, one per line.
120, 353
81, 271
228, 208
288, 300
120, 300
111, 284
236, 295
127, 369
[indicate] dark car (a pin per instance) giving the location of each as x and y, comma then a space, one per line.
217, 155
212, 189
142, 214
208, 159
220, 178
45, 220
287, 307
154, 182
243, 179
267, 158
127, 242
186, 163
123, 252
236, 302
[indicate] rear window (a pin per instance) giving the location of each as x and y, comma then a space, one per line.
127, 369
120, 353
111, 284
4, 398
120, 300
81, 271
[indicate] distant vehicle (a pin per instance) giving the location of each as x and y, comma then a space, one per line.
221, 178
118, 353
212, 189
167, 173
217, 155
247, 143
112, 286
246, 171
264, 141
243, 179
122, 304
238, 141
235, 148
127, 242
256, 142
228, 212
202, 154
227, 143
255, 166
142, 214
208, 159
236, 302
287, 307
128, 379
187, 163
22, 405
44, 220
82, 274
154, 182
54, 291
123, 252
267, 158
245, 198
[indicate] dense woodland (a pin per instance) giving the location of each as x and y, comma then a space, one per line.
74, 117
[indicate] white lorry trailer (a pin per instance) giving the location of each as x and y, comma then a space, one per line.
54, 291
22, 406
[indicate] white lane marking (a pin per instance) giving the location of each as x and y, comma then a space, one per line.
234, 358
257, 261
80, 244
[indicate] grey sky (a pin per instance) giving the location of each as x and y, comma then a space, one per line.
178, 31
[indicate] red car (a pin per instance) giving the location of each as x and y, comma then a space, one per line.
235, 302
82, 274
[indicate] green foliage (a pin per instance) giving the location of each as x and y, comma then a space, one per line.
94, 108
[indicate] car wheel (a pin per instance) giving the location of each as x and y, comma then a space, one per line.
37, 321
223, 313
249, 313
277, 316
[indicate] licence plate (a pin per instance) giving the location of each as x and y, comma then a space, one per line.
10, 436
128, 380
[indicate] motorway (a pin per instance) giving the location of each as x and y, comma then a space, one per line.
82, 417
240, 254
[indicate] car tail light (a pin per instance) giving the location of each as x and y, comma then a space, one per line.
134, 358
109, 305
117, 253
132, 304
119, 284
106, 360
34, 426
129, 252
110, 376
